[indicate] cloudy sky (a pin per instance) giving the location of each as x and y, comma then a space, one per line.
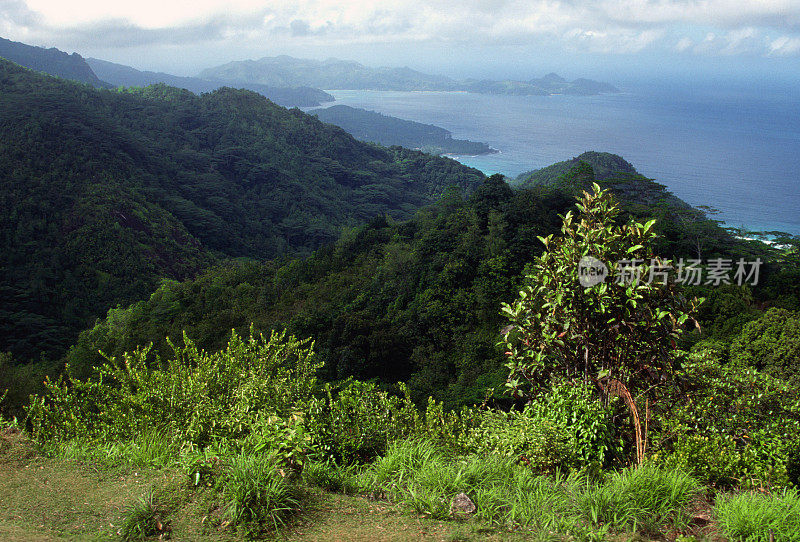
455, 37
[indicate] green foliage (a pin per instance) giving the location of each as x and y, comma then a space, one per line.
603, 165
105, 193
647, 498
332, 476
413, 301
616, 329
149, 449
146, 517
258, 496
194, 396
385, 130
424, 478
771, 344
564, 428
759, 517
729, 425
357, 422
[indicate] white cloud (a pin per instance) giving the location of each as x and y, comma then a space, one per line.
683, 44
738, 27
784, 46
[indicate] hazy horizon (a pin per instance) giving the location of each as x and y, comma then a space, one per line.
618, 41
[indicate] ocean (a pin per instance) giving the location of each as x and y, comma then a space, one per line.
731, 148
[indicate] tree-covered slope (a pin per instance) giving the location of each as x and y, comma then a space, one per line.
121, 75
385, 130
603, 164
416, 300
610, 171
105, 193
390, 300
50, 61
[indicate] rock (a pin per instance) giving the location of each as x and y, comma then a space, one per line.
462, 505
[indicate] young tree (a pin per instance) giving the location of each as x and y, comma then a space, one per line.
597, 305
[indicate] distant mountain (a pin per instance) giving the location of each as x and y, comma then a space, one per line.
342, 74
50, 61
328, 74
105, 193
385, 130
550, 84
121, 75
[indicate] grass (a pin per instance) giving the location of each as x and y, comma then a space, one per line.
331, 476
751, 516
647, 498
150, 449
51, 498
143, 519
257, 493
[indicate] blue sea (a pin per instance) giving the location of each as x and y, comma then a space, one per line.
732, 148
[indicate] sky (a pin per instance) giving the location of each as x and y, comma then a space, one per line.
607, 39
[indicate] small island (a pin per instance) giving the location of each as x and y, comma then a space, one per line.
386, 130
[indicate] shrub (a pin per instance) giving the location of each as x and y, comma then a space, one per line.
523, 436
331, 476
730, 426
565, 427
356, 422
771, 343
616, 329
195, 397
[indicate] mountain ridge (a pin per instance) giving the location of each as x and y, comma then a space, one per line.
122, 75
52, 61
335, 74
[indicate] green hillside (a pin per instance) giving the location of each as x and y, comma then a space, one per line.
386, 130
51, 61
105, 193
408, 301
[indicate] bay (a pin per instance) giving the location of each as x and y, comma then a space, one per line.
734, 149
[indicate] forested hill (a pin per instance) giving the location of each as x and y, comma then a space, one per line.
104, 193
50, 61
121, 75
415, 301
604, 165
385, 130
610, 171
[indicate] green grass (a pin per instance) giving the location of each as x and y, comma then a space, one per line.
150, 449
751, 516
257, 494
647, 498
331, 476
142, 519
